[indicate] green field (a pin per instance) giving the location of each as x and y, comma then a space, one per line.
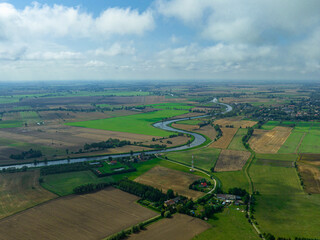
282, 157
63, 183
310, 143
283, 209
137, 123
107, 168
10, 124
291, 143
230, 224
4, 100
172, 106
236, 143
204, 158
232, 179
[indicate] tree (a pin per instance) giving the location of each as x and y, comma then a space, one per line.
170, 193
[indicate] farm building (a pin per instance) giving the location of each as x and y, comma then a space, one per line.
172, 202
228, 197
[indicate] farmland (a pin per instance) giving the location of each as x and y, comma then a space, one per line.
236, 143
77, 217
203, 158
164, 178
179, 227
264, 141
232, 179
207, 130
224, 141
139, 123
231, 160
292, 143
282, 201
19, 191
236, 123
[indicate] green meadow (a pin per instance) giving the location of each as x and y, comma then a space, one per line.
283, 209
236, 143
310, 143
229, 224
138, 123
204, 158
29, 116
292, 142
171, 106
232, 179
10, 124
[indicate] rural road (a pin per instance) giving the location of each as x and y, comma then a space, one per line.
198, 140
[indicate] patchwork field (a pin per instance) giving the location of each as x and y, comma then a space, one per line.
291, 145
139, 123
283, 209
263, 141
19, 191
204, 158
231, 160
232, 179
224, 141
90, 216
164, 178
179, 227
235, 122
311, 177
310, 143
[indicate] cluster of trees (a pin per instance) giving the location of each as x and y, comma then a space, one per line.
218, 130
27, 154
237, 191
99, 174
62, 168
229, 126
14, 170
196, 185
110, 143
269, 236
141, 190
91, 187
246, 137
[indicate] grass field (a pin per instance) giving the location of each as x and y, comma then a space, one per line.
170, 106
204, 158
230, 224
310, 143
283, 209
236, 143
179, 227
232, 179
64, 183
19, 191
88, 216
138, 123
292, 142
10, 124
165, 178
29, 116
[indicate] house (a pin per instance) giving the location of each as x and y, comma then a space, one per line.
204, 184
172, 202
225, 197
113, 162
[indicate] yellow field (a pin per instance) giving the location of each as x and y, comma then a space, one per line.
224, 141
235, 122
264, 141
231, 160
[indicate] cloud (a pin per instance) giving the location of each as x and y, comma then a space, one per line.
115, 50
42, 21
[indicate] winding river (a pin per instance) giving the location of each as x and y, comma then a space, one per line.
165, 125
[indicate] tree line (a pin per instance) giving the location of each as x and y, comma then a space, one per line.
27, 154
110, 143
62, 168
91, 187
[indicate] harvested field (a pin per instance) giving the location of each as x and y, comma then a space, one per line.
264, 141
179, 227
165, 178
227, 136
90, 216
311, 177
235, 122
309, 157
206, 130
19, 191
231, 160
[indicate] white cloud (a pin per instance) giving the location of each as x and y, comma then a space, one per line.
115, 50
42, 21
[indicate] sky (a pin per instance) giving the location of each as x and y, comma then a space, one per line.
161, 39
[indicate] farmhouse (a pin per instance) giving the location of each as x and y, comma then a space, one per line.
229, 197
171, 202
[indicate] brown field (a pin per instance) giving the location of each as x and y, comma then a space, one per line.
264, 141
179, 227
165, 178
19, 191
231, 160
206, 130
90, 216
310, 157
235, 122
227, 136
311, 177
274, 163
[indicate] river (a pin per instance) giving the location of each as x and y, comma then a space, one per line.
198, 140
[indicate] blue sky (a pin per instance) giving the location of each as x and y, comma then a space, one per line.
160, 39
